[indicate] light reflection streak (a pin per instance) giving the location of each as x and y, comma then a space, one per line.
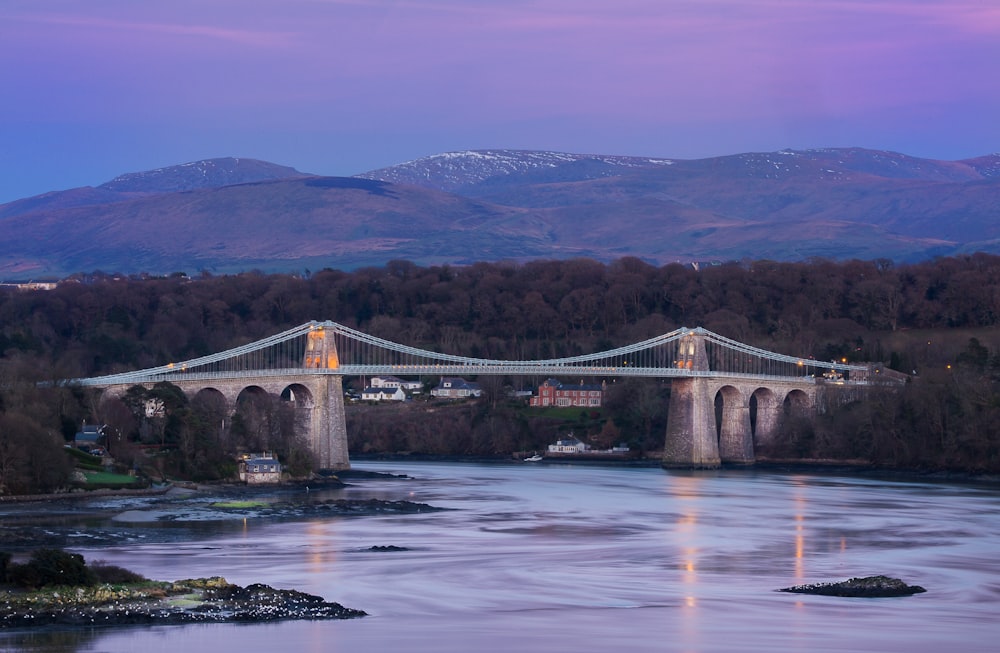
801, 506
800, 545
687, 490
320, 555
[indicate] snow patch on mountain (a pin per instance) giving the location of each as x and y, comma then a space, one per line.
452, 170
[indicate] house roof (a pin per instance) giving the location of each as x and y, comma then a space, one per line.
555, 383
263, 461
458, 382
89, 433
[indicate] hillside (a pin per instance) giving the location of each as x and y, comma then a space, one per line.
291, 224
227, 215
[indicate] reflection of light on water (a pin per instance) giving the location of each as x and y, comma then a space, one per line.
687, 490
690, 576
320, 555
800, 544
800, 533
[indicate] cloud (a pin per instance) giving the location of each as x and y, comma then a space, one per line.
252, 37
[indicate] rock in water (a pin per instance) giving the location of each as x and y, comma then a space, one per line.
204, 600
868, 587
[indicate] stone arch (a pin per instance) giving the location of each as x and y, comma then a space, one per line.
796, 404
112, 392
733, 425
212, 402
302, 402
252, 418
212, 396
249, 393
299, 394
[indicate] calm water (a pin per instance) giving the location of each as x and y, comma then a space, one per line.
561, 558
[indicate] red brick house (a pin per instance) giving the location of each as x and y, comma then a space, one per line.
555, 393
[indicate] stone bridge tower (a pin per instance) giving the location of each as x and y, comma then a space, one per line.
691, 440
328, 428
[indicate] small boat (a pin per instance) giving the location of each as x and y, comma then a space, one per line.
533, 459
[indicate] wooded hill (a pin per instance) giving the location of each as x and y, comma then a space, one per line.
938, 319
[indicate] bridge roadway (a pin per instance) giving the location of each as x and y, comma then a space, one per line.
521, 369
695, 438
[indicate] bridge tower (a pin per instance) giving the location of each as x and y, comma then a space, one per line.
328, 425
691, 433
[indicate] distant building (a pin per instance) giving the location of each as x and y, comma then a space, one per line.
394, 382
569, 445
154, 408
89, 438
573, 445
259, 468
30, 285
456, 388
555, 393
383, 394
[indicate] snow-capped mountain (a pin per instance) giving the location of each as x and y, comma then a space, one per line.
228, 215
452, 171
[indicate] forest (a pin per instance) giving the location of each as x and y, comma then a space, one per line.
934, 320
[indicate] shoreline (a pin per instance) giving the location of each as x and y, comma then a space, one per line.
786, 465
89, 494
861, 468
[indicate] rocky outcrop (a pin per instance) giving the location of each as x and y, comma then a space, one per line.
868, 587
185, 601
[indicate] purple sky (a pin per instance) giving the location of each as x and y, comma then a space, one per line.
94, 88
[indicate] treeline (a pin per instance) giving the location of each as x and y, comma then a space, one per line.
915, 317
100, 323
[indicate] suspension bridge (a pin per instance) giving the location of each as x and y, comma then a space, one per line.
725, 395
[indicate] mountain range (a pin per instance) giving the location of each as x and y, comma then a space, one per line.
228, 215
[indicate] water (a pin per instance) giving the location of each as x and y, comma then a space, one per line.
579, 558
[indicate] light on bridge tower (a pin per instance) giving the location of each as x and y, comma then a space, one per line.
321, 351
691, 354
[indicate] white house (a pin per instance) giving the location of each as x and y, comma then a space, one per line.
569, 445
383, 394
395, 382
455, 388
